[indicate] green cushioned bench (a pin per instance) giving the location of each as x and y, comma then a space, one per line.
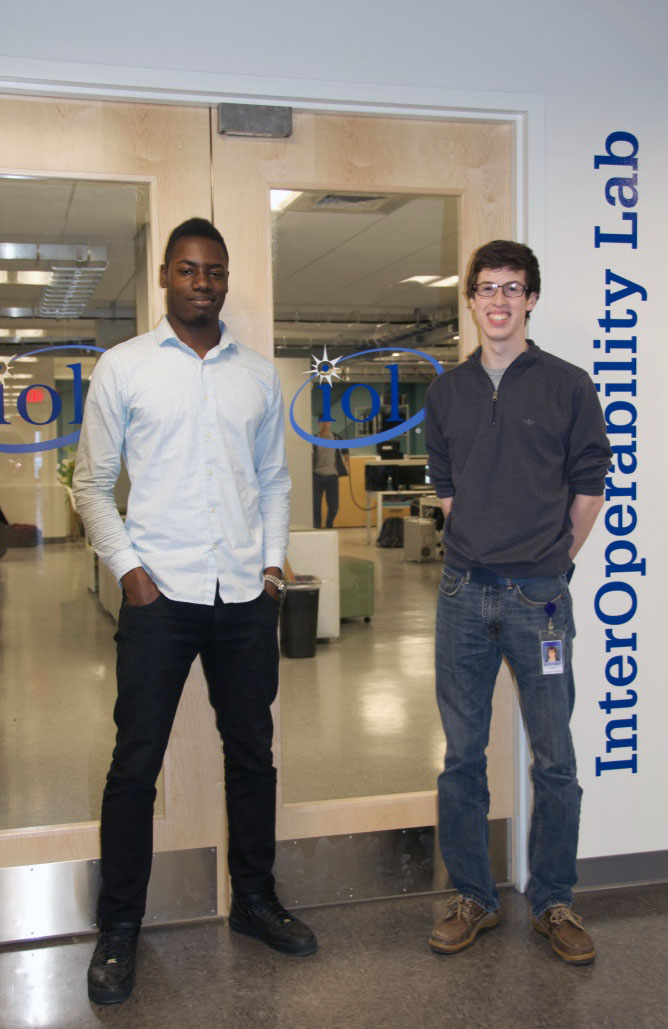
355, 587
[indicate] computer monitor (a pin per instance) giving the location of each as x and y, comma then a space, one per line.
400, 476
389, 450
406, 475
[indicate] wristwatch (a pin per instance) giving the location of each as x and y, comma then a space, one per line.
280, 584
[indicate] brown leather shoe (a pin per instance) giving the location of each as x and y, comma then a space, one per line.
566, 933
463, 920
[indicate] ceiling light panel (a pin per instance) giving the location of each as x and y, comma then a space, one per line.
25, 278
283, 198
22, 333
451, 280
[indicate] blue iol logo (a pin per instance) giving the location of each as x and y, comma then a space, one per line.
24, 399
326, 369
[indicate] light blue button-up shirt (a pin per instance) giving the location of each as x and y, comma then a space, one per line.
203, 442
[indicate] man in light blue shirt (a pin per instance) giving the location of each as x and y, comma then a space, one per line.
198, 419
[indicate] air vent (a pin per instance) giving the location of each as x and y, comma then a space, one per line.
356, 203
348, 203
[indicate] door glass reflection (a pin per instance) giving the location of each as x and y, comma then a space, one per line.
352, 273
73, 282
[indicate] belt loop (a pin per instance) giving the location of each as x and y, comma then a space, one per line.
467, 578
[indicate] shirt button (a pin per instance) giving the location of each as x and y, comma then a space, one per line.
215, 546
208, 435
213, 510
209, 473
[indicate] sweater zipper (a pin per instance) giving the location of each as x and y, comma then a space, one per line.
495, 395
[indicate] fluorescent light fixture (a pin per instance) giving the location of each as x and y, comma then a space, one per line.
23, 375
422, 280
26, 278
282, 198
22, 334
396, 353
451, 280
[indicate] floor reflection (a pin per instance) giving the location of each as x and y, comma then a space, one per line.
57, 674
360, 718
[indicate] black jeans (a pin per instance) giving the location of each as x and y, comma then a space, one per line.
329, 485
157, 644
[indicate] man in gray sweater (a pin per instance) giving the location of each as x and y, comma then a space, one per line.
518, 456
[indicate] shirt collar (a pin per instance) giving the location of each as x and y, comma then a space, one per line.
164, 334
527, 356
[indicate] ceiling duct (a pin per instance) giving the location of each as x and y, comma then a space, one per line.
42, 254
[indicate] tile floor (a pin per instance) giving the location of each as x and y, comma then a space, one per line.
373, 969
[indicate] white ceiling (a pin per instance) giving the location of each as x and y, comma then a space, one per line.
66, 211
340, 262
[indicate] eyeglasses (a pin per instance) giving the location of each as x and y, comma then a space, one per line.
509, 289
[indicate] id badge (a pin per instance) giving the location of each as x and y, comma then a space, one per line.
551, 651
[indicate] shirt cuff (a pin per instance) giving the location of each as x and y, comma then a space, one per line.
122, 562
274, 559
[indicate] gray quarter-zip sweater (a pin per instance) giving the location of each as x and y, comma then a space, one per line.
513, 460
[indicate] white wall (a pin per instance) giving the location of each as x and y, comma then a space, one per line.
584, 70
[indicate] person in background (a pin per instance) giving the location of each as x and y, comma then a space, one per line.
329, 465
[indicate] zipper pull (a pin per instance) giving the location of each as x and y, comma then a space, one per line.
494, 398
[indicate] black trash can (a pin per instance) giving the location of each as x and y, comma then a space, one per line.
299, 617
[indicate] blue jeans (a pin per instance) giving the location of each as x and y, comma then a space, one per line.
476, 627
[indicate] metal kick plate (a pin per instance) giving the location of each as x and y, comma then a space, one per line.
368, 866
60, 899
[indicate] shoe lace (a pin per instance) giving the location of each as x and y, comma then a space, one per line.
463, 908
561, 913
271, 908
117, 945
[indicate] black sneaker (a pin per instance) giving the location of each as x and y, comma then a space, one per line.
266, 918
111, 973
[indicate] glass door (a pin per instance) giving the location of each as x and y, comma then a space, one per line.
357, 738
88, 194
367, 212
